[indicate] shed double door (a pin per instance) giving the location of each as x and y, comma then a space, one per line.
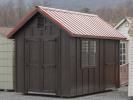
41, 64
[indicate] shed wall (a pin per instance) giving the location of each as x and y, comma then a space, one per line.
65, 67
130, 57
91, 80
6, 62
19, 62
30, 31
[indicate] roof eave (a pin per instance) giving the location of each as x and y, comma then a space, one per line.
100, 37
120, 23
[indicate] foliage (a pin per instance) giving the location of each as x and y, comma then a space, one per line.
11, 12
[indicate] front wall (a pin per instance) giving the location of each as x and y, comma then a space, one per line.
31, 32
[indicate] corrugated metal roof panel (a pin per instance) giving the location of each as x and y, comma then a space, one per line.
81, 24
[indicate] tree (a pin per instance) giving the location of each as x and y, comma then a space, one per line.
21, 8
85, 10
37, 3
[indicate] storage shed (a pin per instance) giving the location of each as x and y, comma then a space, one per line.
6, 60
65, 53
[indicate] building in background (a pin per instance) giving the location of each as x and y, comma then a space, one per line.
125, 27
6, 60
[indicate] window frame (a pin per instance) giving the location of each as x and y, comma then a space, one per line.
123, 52
90, 53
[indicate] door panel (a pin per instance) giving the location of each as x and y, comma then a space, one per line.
49, 65
33, 63
109, 69
41, 62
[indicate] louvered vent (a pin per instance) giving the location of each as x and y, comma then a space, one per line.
40, 22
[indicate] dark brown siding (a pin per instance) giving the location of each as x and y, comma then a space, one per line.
92, 80
79, 72
24, 39
58, 67
101, 65
73, 64
20, 62
65, 65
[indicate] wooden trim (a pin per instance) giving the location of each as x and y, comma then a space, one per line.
118, 65
59, 81
15, 66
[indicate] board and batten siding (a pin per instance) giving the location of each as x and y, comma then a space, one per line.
6, 62
130, 53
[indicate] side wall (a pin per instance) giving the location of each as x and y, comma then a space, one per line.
87, 81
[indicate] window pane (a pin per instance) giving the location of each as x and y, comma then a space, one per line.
120, 45
92, 52
122, 52
123, 62
120, 57
84, 53
120, 62
124, 57
123, 45
88, 53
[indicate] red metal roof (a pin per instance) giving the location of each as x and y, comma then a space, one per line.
75, 23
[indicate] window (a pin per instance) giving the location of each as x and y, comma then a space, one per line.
40, 22
88, 53
123, 53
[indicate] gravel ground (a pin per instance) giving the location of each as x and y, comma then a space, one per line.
120, 94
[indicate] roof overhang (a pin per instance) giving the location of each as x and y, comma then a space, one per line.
39, 9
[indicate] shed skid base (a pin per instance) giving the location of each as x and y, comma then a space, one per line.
41, 93
113, 89
7, 90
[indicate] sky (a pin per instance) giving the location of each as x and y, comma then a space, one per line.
74, 4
